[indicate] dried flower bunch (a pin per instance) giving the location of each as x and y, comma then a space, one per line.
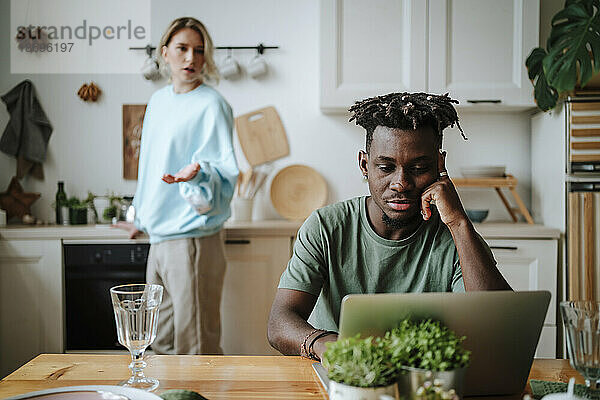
89, 92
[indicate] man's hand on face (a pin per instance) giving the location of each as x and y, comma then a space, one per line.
444, 194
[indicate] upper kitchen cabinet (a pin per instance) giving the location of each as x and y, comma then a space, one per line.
370, 48
473, 49
477, 49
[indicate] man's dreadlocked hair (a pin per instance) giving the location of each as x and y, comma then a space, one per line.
408, 111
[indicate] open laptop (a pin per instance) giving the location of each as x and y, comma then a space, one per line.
502, 329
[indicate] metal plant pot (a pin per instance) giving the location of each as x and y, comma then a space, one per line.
340, 391
413, 378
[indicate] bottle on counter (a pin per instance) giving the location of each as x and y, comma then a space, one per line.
60, 205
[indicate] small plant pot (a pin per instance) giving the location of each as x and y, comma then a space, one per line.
413, 378
339, 391
78, 216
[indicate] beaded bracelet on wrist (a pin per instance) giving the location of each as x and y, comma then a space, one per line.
303, 348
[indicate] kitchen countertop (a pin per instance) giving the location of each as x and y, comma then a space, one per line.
509, 230
104, 232
489, 230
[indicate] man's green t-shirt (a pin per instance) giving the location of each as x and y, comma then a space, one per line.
337, 252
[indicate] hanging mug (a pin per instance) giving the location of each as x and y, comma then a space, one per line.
257, 67
150, 69
229, 68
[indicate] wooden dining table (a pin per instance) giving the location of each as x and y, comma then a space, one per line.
215, 377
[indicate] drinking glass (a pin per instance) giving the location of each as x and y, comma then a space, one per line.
136, 314
582, 324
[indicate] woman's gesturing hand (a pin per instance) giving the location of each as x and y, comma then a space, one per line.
183, 175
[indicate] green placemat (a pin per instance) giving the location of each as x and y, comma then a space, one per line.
541, 388
177, 394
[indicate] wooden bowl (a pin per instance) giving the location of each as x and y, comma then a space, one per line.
298, 190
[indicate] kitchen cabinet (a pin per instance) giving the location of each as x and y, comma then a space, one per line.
254, 265
473, 49
31, 307
477, 49
370, 48
532, 265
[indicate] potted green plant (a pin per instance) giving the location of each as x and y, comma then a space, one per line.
360, 369
90, 200
111, 211
572, 53
78, 210
103, 207
426, 351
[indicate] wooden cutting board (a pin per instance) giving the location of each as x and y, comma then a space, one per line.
297, 190
262, 136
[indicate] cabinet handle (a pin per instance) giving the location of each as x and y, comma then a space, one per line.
494, 101
514, 248
237, 241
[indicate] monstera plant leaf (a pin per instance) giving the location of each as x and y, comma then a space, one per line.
574, 39
545, 95
574, 43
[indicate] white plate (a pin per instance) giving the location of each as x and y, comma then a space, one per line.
130, 393
483, 171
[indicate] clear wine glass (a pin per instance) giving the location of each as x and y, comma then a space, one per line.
136, 314
582, 324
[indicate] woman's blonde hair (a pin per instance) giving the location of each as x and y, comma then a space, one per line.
209, 70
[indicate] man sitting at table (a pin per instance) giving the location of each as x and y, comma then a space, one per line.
394, 241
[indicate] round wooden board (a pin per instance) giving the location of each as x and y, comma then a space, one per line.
298, 190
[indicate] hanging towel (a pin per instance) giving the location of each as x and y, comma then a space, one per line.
28, 131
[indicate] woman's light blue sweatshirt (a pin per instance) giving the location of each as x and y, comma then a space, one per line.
178, 129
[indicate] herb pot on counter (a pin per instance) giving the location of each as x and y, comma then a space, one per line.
340, 391
411, 379
78, 216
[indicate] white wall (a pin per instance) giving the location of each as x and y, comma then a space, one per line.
85, 148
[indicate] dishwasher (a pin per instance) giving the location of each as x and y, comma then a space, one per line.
91, 269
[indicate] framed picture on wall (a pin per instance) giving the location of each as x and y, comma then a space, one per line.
133, 118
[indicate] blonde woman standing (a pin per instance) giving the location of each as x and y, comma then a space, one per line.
187, 128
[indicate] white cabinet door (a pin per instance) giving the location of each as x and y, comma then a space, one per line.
254, 266
31, 306
370, 48
529, 265
477, 49
532, 265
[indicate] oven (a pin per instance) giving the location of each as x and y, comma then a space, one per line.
91, 269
